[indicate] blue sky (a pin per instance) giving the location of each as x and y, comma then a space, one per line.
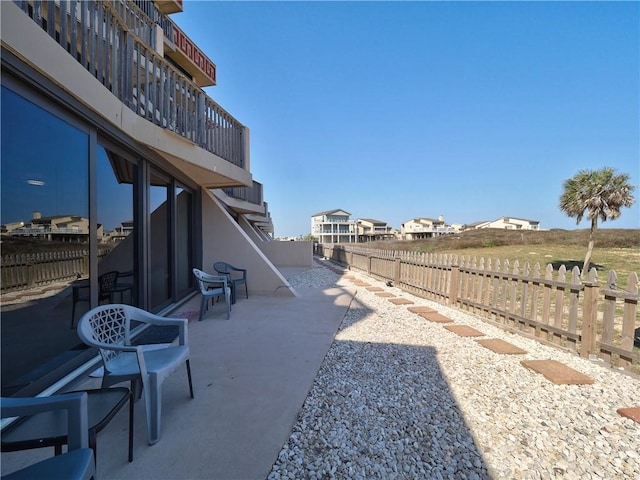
397, 110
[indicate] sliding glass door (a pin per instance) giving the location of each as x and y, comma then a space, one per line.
76, 205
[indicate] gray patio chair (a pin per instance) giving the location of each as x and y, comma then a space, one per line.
78, 462
109, 329
212, 286
237, 276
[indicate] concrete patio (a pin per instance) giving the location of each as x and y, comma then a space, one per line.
251, 375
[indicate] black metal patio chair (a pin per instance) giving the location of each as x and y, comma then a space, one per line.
237, 276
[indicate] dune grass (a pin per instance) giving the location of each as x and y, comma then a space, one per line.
615, 249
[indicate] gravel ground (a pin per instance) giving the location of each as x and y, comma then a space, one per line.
398, 396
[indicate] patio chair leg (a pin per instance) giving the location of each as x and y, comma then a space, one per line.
136, 389
93, 445
153, 399
73, 314
130, 426
203, 305
189, 376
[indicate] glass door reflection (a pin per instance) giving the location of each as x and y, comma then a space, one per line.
159, 243
116, 225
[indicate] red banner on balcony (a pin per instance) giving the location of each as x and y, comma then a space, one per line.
194, 54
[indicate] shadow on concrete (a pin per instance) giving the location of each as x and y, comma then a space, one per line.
252, 375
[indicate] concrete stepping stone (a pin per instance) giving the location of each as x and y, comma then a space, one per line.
464, 330
385, 294
360, 283
435, 317
557, 372
632, 413
375, 289
421, 309
349, 277
400, 301
500, 346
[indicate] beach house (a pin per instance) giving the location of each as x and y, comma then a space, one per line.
334, 226
510, 223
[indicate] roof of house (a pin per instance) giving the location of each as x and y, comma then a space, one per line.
371, 220
434, 220
330, 212
475, 224
506, 219
57, 217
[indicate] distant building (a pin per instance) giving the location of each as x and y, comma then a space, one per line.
64, 228
370, 230
334, 226
509, 223
418, 228
121, 232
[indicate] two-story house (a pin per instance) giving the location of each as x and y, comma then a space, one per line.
64, 228
333, 226
370, 230
418, 228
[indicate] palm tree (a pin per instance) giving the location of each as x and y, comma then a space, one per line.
599, 193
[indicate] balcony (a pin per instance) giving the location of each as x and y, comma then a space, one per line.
47, 231
183, 51
428, 231
115, 42
169, 6
251, 195
263, 223
243, 200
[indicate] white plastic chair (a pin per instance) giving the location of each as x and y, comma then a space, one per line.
213, 286
108, 328
78, 462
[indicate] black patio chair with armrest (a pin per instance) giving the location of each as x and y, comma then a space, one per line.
49, 429
78, 462
126, 285
237, 276
107, 283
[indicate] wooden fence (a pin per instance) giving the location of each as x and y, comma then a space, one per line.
554, 307
23, 271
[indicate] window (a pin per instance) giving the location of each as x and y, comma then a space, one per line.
117, 174
44, 182
59, 236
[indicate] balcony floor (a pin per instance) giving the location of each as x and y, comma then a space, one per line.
251, 375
